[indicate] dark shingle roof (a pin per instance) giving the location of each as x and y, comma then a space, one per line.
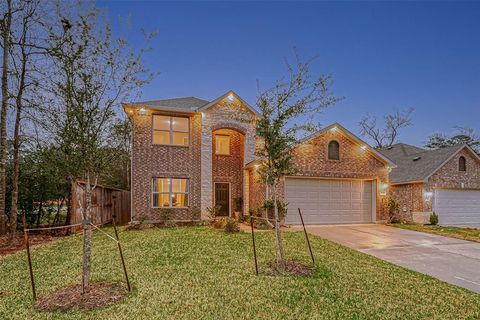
414, 163
181, 104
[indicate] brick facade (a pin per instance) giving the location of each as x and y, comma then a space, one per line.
418, 198
229, 168
150, 161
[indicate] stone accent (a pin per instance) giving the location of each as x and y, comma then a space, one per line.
223, 115
229, 168
149, 161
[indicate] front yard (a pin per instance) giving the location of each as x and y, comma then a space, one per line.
200, 273
471, 234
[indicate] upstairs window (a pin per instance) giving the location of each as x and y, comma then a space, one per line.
333, 150
222, 145
170, 130
169, 192
462, 164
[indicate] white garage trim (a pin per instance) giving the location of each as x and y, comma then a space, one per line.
326, 200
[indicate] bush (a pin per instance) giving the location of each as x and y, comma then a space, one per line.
433, 219
166, 214
212, 212
231, 225
262, 224
219, 223
282, 209
392, 207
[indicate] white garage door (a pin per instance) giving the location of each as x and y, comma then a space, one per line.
457, 207
328, 201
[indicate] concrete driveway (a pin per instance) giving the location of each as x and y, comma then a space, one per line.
452, 260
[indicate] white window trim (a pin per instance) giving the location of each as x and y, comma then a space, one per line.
171, 131
170, 193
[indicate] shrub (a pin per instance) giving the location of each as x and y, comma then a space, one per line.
212, 212
262, 224
219, 223
231, 225
282, 209
392, 207
433, 219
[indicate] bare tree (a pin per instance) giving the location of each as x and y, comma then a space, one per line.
387, 135
6, 26
462, 135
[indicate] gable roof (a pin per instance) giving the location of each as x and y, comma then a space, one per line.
415, 164
352, 137
230, 93
180, 104
188, 104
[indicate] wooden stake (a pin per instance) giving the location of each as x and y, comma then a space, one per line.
306, 236
254, 249
25, 234
121, 254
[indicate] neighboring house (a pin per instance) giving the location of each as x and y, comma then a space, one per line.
446, 181
190, 154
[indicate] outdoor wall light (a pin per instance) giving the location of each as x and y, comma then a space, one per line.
333, 130
142, 111
383, 189
230, 97
428, 195
363, 148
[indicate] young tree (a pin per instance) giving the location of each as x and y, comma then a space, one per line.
462, 136
387, 135
91, 74
288, 112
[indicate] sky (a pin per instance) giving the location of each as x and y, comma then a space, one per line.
381, 55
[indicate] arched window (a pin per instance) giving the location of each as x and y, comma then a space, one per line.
462, 164
333, 150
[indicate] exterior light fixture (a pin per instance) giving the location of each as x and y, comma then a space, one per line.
363, 148
230, 97
142, 111
428, 195
333, 129
389, 169
383, 189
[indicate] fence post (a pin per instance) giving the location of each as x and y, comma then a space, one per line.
29, 258
306, 236
254, 249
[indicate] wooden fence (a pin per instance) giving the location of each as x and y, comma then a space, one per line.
106, 202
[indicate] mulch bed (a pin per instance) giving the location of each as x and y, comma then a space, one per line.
100, 294
18, 243
290, 268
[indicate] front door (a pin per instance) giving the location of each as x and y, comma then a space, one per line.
222, 199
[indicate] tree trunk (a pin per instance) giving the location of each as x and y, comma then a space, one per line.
278, 234
3, 113
87, 236
16, 137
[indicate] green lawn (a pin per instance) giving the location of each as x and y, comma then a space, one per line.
201, 273
471, 234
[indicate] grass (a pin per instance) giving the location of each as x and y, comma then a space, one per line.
471, 234
201, 273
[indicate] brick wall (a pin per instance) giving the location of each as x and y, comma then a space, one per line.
151, 161
223, 115
229, 168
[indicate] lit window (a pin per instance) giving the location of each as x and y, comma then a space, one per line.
169, 192
333, 150
170, 130
222, 145
462, 164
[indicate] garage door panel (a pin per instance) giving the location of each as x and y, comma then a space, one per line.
334, 201
457, 207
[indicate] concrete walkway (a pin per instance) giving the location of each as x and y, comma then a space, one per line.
452, 260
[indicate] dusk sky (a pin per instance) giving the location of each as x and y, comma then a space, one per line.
381, 54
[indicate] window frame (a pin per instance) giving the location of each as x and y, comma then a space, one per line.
462, 161
229, 141
171, 131
328, 150
170, 193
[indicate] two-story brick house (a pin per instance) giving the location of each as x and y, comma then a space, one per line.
190, 154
